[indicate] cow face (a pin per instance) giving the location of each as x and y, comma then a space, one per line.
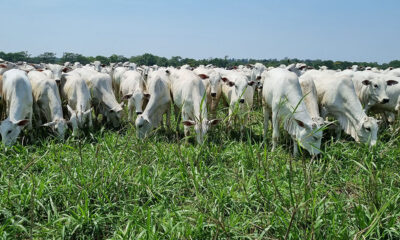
201, 128
309, 136
59, 127
114, 116
367, 131
143, 127
10, 130
377, 90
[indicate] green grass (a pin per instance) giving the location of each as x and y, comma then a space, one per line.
111, 185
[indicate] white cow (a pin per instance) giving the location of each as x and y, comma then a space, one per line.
213, 83
237, 89
76, 93
47, 102
189, 95
158, 105
337, 97
103, 97
132, 89
283, 99
17, 97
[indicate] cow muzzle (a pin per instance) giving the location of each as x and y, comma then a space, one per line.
138, 113
241, 101
213, 95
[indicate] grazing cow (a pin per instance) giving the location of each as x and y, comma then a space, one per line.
17, 97
337, 97
47, 103
76, 93
371, 88
237, 90
132, 89
158, 105
189, 95
103, 97
283, 99
213, 83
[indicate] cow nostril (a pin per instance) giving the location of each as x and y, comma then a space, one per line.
213, 94
241, 101
138, 113
385, 100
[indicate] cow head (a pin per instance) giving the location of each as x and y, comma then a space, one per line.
143, 126
367, 131
78, 119
10, 130
59, 126
114, 115
201, 128
377, 89
309, 136
137, 99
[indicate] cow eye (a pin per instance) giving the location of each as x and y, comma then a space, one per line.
9, 131
368, 129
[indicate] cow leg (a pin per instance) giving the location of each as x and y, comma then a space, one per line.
295, 147
177, 117
130, 109
214, 105
275, 130
168, 118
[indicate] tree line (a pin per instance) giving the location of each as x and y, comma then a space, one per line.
150, 59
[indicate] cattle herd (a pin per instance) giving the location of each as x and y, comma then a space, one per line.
73, 96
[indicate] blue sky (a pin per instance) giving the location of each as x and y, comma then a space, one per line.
353, 30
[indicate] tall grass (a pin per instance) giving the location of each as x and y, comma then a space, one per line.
111, 185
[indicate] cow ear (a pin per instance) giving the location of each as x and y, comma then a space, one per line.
3, 66
213, 122
189, 123
251, 83
300, 123
127, 96
231, 84
391, 82
66, 69
366, 82
103, 65
203, 76
167, 71
22, 123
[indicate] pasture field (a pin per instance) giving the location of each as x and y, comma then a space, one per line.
111, 185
